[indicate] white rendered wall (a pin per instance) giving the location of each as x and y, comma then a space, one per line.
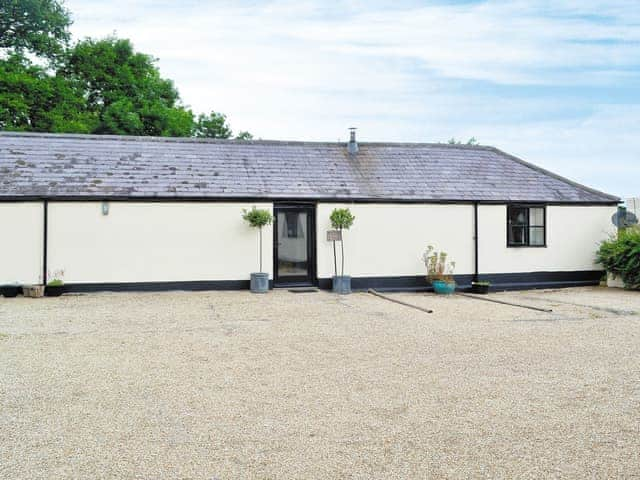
21, 242
147, 242
573, 235
389, 239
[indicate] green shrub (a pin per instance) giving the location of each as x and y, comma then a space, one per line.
257, 217
620, 255
341, 218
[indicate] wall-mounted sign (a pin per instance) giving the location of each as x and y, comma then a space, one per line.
334, 236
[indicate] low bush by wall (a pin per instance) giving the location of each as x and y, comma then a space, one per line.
620, 256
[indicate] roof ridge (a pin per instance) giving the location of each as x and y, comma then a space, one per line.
549, 173
196, 140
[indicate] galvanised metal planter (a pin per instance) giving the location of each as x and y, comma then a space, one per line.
442, 287
259, 282
342, 284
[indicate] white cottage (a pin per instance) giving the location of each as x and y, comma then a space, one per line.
142, 213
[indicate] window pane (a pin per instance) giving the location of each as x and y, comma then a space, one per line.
292, 246
292, 220
536, 235
517, 216
517, 235
536, 217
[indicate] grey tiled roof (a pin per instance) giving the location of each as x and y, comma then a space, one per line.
54, 166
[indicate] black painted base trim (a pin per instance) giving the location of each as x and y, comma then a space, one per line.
404, 283
531, 280
159, 286
499, 281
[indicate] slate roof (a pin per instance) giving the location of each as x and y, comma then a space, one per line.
98, 166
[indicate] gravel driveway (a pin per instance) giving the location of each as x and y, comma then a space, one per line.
222, 385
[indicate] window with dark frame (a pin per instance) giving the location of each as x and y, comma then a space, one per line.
525, 226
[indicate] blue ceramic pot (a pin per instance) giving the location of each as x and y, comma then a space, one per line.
443, 288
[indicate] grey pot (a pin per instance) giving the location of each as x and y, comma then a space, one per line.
342, 284
260, 282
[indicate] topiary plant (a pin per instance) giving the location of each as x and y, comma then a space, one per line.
258, 218
341, 219
620, 255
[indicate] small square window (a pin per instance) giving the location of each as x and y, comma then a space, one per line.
525, 226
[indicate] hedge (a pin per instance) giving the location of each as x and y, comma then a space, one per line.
620, 256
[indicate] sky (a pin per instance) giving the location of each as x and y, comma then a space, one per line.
554, 82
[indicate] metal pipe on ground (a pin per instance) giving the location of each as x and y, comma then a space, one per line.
400, 302
502, 302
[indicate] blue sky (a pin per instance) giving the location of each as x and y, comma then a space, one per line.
554, 82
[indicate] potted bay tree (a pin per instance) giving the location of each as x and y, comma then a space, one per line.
341, 219
258, 218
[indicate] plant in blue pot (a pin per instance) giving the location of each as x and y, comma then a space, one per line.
439, 271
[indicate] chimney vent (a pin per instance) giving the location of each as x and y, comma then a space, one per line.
352, 146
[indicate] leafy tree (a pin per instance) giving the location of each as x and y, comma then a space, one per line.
125, 90
471, 141
33, 100
213, 125
40, 27
243, 135
97, 86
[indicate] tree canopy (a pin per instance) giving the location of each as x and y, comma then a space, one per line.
125, 91
40, 27
471, 141
213, 125
98, 86
33, 100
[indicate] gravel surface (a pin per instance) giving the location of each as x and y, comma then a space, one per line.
222, 385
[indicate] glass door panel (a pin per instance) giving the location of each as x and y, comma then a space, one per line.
293, 245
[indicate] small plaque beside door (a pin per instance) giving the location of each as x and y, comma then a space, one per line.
334, 236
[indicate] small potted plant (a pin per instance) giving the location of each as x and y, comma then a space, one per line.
481, 287
55, 287
341, 219
33, 291
258, 218
439, 271
10, 290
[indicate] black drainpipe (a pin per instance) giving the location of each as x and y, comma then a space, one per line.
45, 241
475, 241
